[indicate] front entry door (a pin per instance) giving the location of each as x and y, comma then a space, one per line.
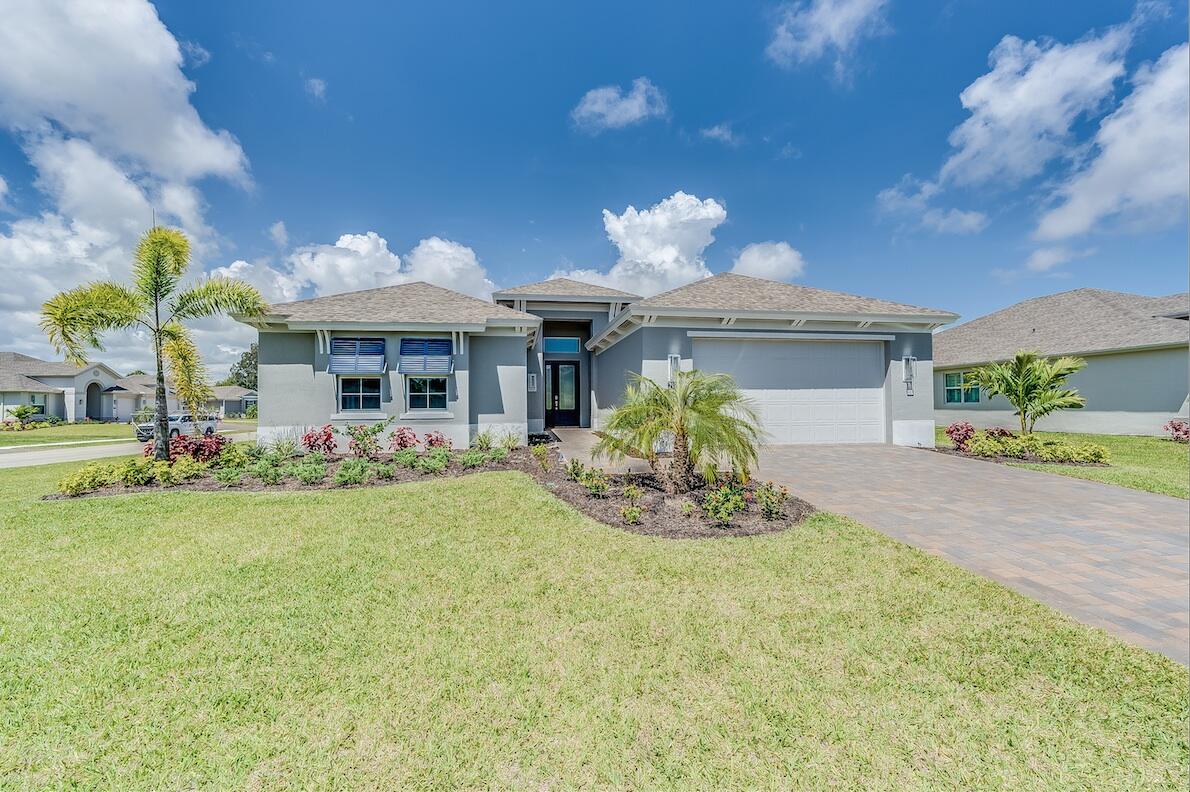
561, 394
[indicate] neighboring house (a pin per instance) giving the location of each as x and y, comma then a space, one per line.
821, 366
131, 394
230, 400
58, 389
1137, 350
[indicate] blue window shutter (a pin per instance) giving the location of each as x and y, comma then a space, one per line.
426, 356
357, 356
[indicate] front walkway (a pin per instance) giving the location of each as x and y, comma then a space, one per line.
1109, 557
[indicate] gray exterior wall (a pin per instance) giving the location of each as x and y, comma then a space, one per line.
297, 393
1126, 393
589, 324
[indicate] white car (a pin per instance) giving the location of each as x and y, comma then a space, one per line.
181, 424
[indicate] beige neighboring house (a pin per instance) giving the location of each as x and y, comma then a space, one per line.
58, 389
1137, 350
230, 400
136, 392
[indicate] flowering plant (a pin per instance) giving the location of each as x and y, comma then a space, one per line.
403, 438
1179, 430
960, 433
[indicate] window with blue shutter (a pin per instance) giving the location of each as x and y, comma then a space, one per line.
426, 356
357, 356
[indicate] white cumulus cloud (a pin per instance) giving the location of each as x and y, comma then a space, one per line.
279, 234
773, 260
812, 30
910, 199
316, 89
1046, 258
609, 107
722, 133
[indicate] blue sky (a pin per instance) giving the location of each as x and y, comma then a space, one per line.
960, 155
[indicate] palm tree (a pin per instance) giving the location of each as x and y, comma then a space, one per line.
710, 421
1032, 384
74, 319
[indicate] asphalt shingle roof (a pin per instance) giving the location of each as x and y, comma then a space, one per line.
230, 391
729, 291
1067, 323
566, 287
26, 364
420, 303
144, 384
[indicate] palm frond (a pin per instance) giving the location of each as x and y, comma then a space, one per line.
218, 296
161, 258
73, 319
185, 367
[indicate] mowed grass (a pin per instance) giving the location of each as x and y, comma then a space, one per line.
477, 633
1151, 464
66, 433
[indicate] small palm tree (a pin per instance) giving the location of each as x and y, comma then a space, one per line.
74, 319
1032, 384
710, 421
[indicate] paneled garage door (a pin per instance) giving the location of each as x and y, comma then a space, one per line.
806, 391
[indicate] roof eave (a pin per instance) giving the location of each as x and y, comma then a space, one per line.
939, 365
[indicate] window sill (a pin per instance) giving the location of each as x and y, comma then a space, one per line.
427, 415
359, 415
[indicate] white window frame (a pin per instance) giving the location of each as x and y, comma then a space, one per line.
578, 345
445, 393
360, 393
675, 366
960, 388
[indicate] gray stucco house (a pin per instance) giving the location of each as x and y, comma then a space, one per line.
58, 389
820, 366
1137, 350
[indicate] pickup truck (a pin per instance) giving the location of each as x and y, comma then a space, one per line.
181, 424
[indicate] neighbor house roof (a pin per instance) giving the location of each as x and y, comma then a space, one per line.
11, 381
729, 291
26, 364
412, 303
141, 384
225, 392
564, 287
1076, 322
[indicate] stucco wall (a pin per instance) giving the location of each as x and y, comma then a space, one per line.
1126, 393
610, 373
497, 380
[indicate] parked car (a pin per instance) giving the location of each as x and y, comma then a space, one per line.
181, 424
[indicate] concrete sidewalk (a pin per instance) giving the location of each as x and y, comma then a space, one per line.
48, 455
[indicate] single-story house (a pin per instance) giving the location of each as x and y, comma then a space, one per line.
58, 389
1137, 350
821, 366
230, 400
136, 392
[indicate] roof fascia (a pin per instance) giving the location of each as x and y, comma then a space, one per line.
1088, 353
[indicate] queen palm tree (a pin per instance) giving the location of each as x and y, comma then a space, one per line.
75, 319
709, 420
1032, 384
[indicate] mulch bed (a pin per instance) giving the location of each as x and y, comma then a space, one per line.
1004, 460
661, 512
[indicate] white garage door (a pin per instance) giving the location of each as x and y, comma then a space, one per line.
806, 391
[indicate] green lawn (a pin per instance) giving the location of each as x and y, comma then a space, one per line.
65, 433
478, 633
1152, 464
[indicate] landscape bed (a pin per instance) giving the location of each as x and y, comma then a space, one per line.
636, 502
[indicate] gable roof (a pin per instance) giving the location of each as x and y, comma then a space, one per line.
29, 365
15, 381
223, 392
563, 287
413, 303
729, 291
1074, 322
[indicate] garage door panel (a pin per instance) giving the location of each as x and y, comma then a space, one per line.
806, 391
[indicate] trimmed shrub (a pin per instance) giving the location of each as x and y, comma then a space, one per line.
186, 468
473, 459
267, 471
498, 454
309, 472
384, 472
596, 483
1179, 430
771, 498
960, 433
135, 472
723, 504
88, 478
631, 514
406, 457
321, 439
229, 476
352, 471
164, 473
403, 437
434, 461
237, 455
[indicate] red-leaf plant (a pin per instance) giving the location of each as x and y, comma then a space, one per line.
960, 433
403, 437
437, 440
1179, 430
202, 448
321, 439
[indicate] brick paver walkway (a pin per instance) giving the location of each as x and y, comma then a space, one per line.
1107, 556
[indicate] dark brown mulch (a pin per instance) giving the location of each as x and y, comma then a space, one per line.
661, 512
1003, 460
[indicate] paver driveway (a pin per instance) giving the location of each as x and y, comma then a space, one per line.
1110, 557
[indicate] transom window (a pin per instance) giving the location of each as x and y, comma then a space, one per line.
955, 390
425, 393
359, 393
560, 344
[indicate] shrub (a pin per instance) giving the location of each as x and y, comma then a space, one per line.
1179, 430
406, 457
483, 440
384, 472
510, 440
403, 437
229, 476
315, 457
136, 472
352, 471
723, 503
771, 499
633, 494
203, 448
321, 439
164, 473
498, 454
437, 440
88, 478
595, 482
631, 514
186, 468
574, 469
365, 439
283, 449
309, 472
1031, 446
541, 453
22, 412
237, 455
250, 412
267, 471
960, 433
473, 459
434, 461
